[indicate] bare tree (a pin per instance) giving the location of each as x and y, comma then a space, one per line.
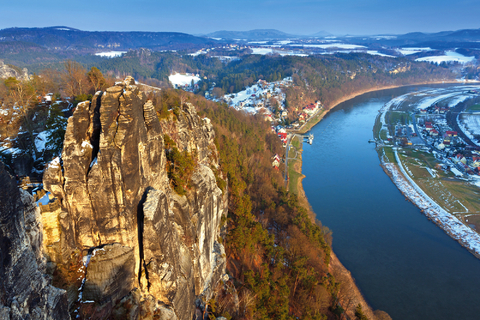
75, 80
22, 96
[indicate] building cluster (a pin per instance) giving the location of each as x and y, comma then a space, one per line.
307, 112
264, 97
436, 135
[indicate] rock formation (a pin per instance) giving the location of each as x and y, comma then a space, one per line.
7, 71
115, 213
25, 290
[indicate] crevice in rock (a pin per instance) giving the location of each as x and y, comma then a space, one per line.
116, 121
140, 228
96, 130
86, 261
95, 142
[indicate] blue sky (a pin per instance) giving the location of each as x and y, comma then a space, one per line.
204, 16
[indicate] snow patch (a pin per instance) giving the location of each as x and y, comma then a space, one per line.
450, 56
330, 45
110, 54
178, 79
55, 163
407, 51
41, 140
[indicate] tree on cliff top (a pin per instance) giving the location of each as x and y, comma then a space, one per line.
22, 95
75, 79
96, 78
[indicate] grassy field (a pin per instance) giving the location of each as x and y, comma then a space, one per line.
377, 127
390, 156
398, 116
473, 221
475, 107
451, 194
383, 134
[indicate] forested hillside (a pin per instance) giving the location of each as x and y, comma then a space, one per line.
278, 255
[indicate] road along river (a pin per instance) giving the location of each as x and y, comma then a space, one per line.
403, 263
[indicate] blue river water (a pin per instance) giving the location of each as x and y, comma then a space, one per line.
403, 263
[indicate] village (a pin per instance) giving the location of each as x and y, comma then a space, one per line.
430, 129
265, 98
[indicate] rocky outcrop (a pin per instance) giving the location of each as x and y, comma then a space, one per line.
7, 72
112, 196
25, 290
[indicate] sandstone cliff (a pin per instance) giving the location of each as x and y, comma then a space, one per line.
114, 222
25, 290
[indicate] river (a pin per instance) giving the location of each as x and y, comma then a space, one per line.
403, 263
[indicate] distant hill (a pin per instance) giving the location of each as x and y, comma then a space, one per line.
257, 34
467, 38
61, 38
322, 34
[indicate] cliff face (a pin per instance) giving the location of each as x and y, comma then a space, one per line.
113, 202
25, 290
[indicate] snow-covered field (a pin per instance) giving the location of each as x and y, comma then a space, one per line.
457, 100
182, 79
264, 51
450, 56
473, 123
456, 94
407, 51
330, 45
392, 103
376, 53
470, 125
449, 223
111, 54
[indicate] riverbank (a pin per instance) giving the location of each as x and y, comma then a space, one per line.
433, 205
446, 221
310, 123
349, 294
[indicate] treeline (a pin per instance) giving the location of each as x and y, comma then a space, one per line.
318, 77
336, 76
278, 257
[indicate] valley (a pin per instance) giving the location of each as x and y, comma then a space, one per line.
154, 168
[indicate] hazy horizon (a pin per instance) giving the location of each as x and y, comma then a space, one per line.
301, 17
